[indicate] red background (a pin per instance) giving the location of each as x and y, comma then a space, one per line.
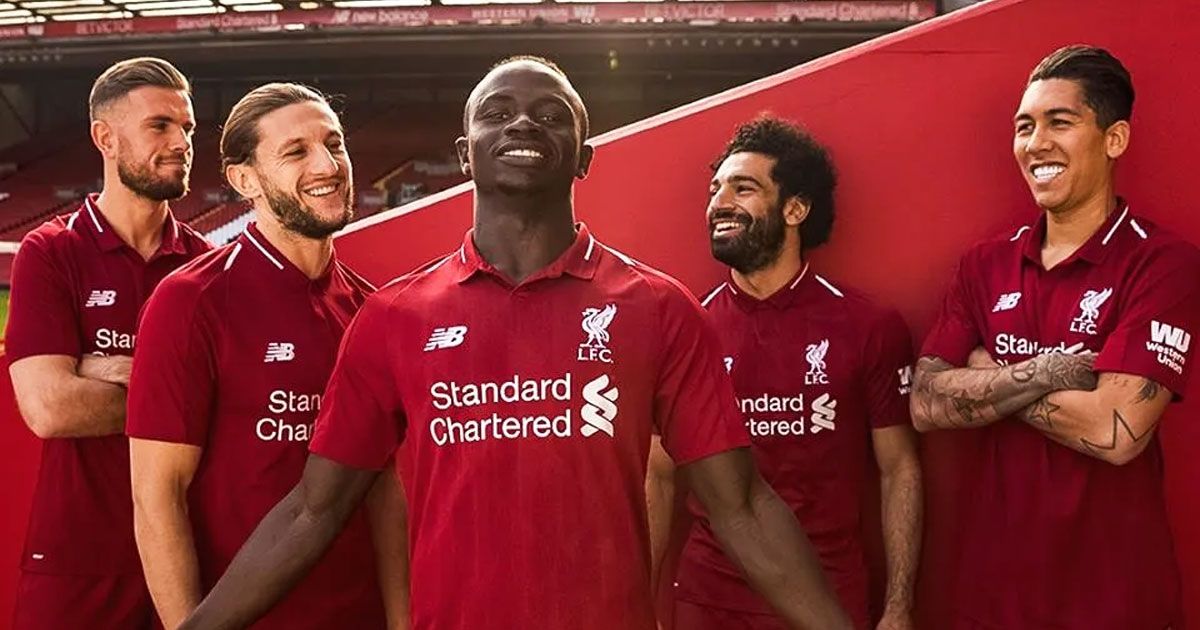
920, 125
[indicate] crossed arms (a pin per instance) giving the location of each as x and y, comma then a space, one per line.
1109, 416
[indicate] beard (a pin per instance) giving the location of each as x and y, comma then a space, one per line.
141, 179
296, 217
757, 246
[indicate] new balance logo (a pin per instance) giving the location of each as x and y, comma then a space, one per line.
599, 409
823, 414
447, 337
279, 351
1007, 302
728, 364
106, 297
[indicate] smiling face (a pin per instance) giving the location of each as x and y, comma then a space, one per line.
747, 221
1065, 156
149, 136
524, 132
301, 170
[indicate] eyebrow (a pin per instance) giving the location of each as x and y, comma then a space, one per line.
737, 179
1050, 112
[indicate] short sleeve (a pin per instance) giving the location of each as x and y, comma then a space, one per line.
361, 421
42, 315
887, 371
1153, 334
173, 384
954, 333
694, 405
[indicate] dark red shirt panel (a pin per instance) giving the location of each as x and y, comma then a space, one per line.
526, 412
1061, 539
77, 289
815, 367
236, 350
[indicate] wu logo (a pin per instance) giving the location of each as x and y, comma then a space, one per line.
447, 337
1007, 302
595, 323
815, 355
279, 351
824, 411
600, 407
1089, 310
107, 297
1169, 335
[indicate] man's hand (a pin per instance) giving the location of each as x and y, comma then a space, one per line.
895, 619
109, 369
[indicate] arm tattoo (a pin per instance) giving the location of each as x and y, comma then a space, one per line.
969, 397
1041, 412
1119, 422
1068, 371
1148, 390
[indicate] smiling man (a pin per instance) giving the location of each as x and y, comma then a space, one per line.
1064, 342
528, 465
235, 351
78, 282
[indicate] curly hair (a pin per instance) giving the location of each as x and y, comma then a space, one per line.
802, 169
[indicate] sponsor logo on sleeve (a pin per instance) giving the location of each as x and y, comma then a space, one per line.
446, 337
595, 324
279, 351
1007, 302
815, 355
905, 375
1170, 345
103, 297
1089, 310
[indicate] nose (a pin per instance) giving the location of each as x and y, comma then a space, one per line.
180, 140
324, 162
721, 199
1038, 140
522, 123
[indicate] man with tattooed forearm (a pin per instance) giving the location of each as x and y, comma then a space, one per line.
1064, 341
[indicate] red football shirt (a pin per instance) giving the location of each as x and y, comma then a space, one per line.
527, 411
1057, 539
815, 368
234, 354
77, 289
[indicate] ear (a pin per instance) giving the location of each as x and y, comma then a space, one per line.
795, 211
243, 179
586, 153
463, 148
1116, 139
105, 138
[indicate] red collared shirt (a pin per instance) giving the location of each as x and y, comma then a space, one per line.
236, 348
1056, 538
527, 410
816, 367
77, 289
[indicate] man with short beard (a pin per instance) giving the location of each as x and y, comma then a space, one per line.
78, 283
235, 351
821, 375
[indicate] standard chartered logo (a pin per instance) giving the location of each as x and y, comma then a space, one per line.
547, 409
822, 412
600, 407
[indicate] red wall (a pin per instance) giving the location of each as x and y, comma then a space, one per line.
920, 126
919, 123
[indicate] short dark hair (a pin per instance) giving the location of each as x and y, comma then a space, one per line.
553, 67
123, 77
1107, 86
239, 135
802, 169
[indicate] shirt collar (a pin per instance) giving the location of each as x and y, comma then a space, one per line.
783, 298
252, 239
108, 240
1093, 250
579, 260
